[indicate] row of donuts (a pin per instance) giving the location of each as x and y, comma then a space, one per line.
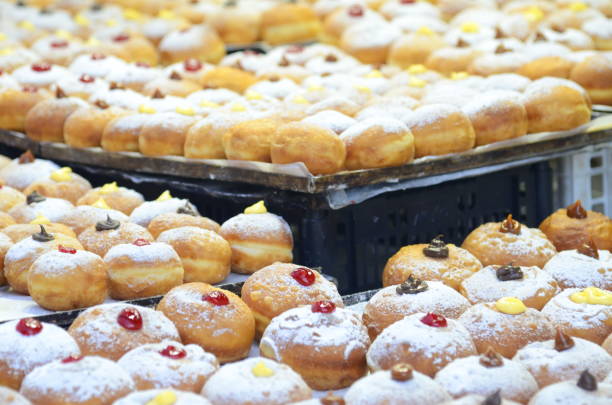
424, 357
113, 242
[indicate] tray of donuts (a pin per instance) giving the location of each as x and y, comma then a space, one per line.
450, 325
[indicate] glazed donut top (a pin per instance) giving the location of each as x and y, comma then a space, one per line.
422, 336
27, 344
563, 309
141, 252
182, 363
150, 396
80, 381
579, 270
256, 226
259, 379
521, 282
57, 263
303, 326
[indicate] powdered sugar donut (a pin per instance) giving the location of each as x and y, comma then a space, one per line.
62, 183
95, 65
324, 344
10, 197
426, 341
369, 41
169, 364
158, 396
330, 119
563, 359
10, 397
582, 313
104, 234
393, 303
509, 242
27, 344
586, 391
579, 269
77, 380
84, 216
144, 213
529, 284
399, 385
118, 198
39, 74
506, 325
111, 330
474, 399
22, 172
485, 375
54, 209
255, 381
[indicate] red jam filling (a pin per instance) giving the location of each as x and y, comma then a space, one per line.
141, 242
173, 352
295, 49
121, 37
29, 327
85, 78
434, 320
355, 11
142, 64
324, 307
65, 249
304, 276
59, 44
41, 67
30, 89
130, 319
217, 298
98, 56
72, 359
192, 65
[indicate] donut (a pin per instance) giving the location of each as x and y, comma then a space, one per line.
45, 121
145, 212
583, 313
231, 78
440, 129
130, 48
5, 245
16, 103
25, 170
184, 216
452, 59
330, 119
6, 220
378, 142
336, 22
474, 399
121, 133
509, 242
142, 269
369, 41
551, 66
169, 364
570, 392
62, 183
84, 216
164, 134
18, 232
237, 23
67, 278
118, 198
581, 268
129, 79
161, 396
41, 74
607, 345
531, 285
250, 140
554, 104
111, 330
599, 30
54, 209
289, 22
279, 287
414, 48
436, 261
206, 256
562, 359
199, 41
10, 397
10, 197
22, 254
77, 380
29, 343
319, 148
506, 325
82, 87
497, 116
97, 65
217, 320
85, 126
172, 85
393, 303
593, 75
487, 374
257, 238
256, 381
426, 341
402, 384
102, 236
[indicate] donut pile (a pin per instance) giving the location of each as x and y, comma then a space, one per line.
69, 245
514, 315
392, 82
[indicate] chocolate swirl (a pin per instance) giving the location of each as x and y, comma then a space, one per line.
34, 197
493, 399
509, 272
43, 235
107, 225
576, 210
26, 157
589, 249
562, 341
436, 249
331, 399
158, 94
175, 75
510, 225
401, 372
587, 382
187, 209
412, 285
491, 359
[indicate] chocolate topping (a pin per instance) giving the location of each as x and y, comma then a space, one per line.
539, 37
401, 372
491, 358
587, 382
273, 78
187, 209
331, 58
576, 210
498, 33
493, 399
101, 104
158, 94
558, 28
59, 93
115, 86
26, 157
238, 65
20, 3
502, 49
412, 285
34, 197
331, 399
96, 7
589, 249
175, 76
562, 341
509, 272
230, 3
510, 225
42, 236
284, 62
45, 10
436, 248
107, 225
462, 44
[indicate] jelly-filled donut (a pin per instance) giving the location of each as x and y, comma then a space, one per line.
586, 390
100, 237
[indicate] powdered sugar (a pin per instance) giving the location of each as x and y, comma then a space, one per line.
575, 270
153, 253
145, 397
26, 76
58, 264
569, 393
429, 114
26, 248
143, 214
567, 314
387, 125
599, 27
370, 34
330, 119
83, 216
85, 64
21, 175
54, 209
249, 226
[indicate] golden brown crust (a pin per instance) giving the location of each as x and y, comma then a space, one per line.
123, 199
595, 75
84, 127
5, 245
6, 220
45, 121
450, 132
237, 24
410, 259
18, 232
171, 87
286, 23
570, 233
136, 49
414, 49
553, 66
10, 197
100, 242
446, 64
70, 190
15, 105
320, 149
228, 78
559, 109
210, 48
171, 220
506, 119
205, 140
607, 344
118, 136
250, 140
197, 321
156, 139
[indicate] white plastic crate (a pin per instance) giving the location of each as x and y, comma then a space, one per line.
586, 176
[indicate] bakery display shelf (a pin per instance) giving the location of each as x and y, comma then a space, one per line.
290, 178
